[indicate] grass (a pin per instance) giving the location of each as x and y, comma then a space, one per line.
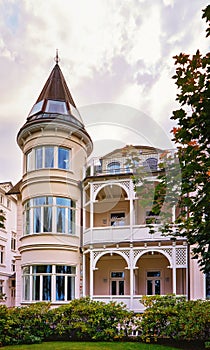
89, 346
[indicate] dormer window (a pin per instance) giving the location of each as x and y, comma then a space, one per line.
113, 167
56, 107
36, 108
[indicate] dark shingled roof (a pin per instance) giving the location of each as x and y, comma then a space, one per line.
56, 88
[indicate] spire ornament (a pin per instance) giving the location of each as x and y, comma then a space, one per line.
57, 59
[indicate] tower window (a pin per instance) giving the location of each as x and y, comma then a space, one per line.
49, 214
48, 157
49, 283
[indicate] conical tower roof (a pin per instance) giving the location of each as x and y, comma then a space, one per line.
55, 108
55, 99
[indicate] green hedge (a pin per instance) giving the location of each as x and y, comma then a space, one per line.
175, 318
81, 319
165, 317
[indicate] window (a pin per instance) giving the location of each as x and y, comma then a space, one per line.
117, 219
49, 214
113, 167
13, 266
2, 253
1, 287
13, 241
117, 283
49, 282
1, 199
8, 203
44, 157
151, 164
56, 107
153, 282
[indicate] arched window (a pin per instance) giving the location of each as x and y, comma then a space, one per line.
113, 167
151, 164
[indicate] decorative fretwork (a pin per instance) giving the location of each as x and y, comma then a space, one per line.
126, 184
126, 253
95, 254
168, 251
95, 187
181, 256
137, 252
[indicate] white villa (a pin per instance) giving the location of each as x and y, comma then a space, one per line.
75, 226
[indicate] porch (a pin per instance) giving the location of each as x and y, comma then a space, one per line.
124, 274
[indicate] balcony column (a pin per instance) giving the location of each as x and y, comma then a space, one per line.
174, 266
83, 274
131, 276
91, 273
91, 206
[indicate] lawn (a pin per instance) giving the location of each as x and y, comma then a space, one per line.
89, 346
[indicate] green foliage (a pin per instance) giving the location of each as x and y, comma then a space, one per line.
81, 319
85, 319
175, 318
24, 325
193, 140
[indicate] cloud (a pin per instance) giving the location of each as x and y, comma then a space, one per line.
111, 51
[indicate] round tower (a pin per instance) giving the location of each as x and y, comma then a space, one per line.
55, 147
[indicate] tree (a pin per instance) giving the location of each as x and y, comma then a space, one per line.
192, 136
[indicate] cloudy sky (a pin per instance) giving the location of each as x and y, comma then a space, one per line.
116, 56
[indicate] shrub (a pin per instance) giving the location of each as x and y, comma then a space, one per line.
175, 318
85, 319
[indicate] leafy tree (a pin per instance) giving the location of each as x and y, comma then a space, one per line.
193, 143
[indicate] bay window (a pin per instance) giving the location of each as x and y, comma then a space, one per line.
49, 283
49, 214
44, 157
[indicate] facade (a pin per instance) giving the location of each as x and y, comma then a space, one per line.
8, 245
80, 227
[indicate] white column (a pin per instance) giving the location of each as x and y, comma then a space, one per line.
83, 275
91, 274
131, 219
131, 276
174, 267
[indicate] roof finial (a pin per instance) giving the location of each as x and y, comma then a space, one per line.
57, 59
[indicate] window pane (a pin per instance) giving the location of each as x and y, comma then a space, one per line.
70, 288
47, 219
114, 288
65, 202
65, 269
63, 158
114, 167
157, 287
121, 287
60, 288
36, 288
29, 161
49, 157
38, 158
71, 221
149, 287
153, 274
37, 220
27, 222
61, 220
42, 269
117, 274
26, 287
46, 294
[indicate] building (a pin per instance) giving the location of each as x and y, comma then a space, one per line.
8, 245
81, 228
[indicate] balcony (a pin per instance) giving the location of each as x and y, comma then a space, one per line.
117, 234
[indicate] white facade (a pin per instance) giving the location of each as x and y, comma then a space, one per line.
8, 245
80, 227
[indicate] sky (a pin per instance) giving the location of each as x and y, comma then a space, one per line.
116, 57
